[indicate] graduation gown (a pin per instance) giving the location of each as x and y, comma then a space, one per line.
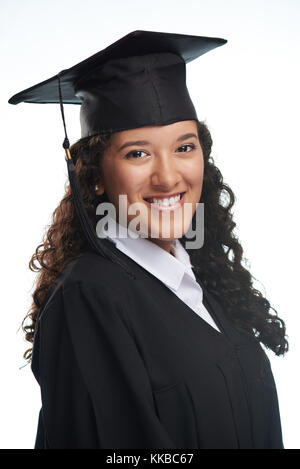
125, 363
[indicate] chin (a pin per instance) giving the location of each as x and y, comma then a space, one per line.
166, 235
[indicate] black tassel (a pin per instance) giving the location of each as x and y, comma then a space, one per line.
80, 208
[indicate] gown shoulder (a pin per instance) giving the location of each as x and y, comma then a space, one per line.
86, 269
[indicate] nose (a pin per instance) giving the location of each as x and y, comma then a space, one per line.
165, 173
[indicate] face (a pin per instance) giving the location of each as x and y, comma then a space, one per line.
155, 162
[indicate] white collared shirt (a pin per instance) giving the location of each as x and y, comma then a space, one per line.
175, 272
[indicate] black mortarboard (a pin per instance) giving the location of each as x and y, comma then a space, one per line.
138, 80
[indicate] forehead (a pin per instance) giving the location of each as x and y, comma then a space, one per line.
155, 133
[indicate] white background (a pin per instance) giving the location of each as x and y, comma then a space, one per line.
246, 91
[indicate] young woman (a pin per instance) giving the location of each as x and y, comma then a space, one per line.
159, 346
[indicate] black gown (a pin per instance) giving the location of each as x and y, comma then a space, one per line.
125, 363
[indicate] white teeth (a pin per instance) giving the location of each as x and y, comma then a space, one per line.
166, 202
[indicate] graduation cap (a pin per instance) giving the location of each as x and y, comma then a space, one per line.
139, 80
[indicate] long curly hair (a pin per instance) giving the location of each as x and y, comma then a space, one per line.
218, 262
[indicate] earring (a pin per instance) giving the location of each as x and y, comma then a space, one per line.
96, 187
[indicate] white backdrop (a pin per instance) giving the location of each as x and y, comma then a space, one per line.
246, 91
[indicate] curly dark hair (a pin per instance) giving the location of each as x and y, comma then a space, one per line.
218, 261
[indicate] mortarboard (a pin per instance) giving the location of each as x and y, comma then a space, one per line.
138, 80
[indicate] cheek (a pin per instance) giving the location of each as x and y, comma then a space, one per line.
128, 181
122, 179
194, 174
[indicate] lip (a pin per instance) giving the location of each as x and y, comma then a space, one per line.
172, 207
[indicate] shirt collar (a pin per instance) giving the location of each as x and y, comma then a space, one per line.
167, 268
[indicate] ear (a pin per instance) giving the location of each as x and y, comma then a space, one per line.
99, 188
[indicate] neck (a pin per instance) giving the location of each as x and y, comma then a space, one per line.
167, 245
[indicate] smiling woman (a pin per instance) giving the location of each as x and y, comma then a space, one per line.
143, 342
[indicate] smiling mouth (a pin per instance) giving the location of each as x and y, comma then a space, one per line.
166, 206
150, 199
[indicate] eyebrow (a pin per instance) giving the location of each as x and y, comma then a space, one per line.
145, 142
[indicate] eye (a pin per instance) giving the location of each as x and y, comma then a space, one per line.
133, 153
191, 145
